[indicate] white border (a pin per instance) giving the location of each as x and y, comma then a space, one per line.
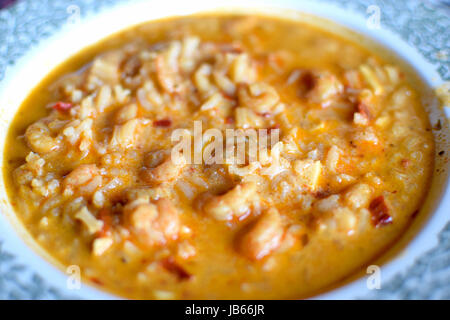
21, 78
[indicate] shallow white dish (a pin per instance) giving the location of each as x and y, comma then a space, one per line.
72, 25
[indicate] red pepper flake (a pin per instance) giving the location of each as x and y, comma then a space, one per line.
62, 106
265, 114
380, 212
173, 267
229, 120
321, 194
305, 83
405, 163
97, 281
308, 80
164, 123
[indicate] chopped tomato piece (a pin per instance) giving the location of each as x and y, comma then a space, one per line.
405, 163
62, 106
229, 120
380, 212
265, 114
173, 267
164, 123
97, 281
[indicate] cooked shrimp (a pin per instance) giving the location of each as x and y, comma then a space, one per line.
326, 87
153, 223
39, 138
259, 97
263, 237
166, 171
86, 178
233, 203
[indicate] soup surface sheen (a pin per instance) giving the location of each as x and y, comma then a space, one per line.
90, 170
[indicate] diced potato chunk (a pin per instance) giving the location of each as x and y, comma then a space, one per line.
101, 245
358, 196
309, 172
360, 120
346, 220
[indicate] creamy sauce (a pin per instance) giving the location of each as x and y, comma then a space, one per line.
350, 114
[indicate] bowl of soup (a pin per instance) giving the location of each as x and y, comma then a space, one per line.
222, 153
